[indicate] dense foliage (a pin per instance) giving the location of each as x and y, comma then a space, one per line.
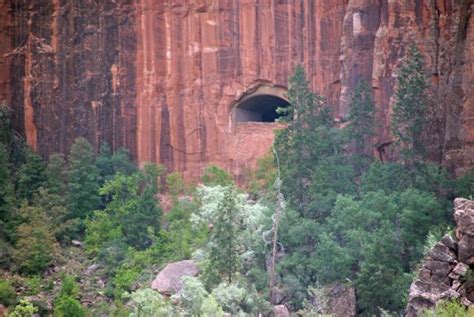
327, 212
352, 219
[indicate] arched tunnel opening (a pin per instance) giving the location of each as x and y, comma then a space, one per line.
259, 108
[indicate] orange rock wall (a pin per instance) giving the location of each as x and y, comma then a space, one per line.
161, 77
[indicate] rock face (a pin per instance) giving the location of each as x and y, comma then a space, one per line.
450, 261
281, 311
341, 300
168, 281
161, 78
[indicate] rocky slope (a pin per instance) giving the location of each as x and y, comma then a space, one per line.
161, 77
447, 271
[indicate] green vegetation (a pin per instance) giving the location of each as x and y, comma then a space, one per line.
329, 212
449, 309
7, 293
66, 303
83, 181
23, 309
410, 110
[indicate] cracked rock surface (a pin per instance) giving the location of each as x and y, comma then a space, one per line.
444, 272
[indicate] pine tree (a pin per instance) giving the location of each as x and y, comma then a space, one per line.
224, 252
410, 109
361, 126
56, 174
104, 163
83, 180
31, 175
310, 150
13, 142
142, 223
7, 194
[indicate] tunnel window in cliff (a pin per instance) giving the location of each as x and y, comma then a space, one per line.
259, 108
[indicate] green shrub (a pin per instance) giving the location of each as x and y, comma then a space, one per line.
449, 309
7, 293
34, 285
67, 306
23, 309
68, 287
175, 184
229, 296
36, 246
149, 303
192, 295
214, 175
210, 307
124, 279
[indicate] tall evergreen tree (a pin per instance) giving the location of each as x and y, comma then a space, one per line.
224, 251
305, 114
56, 174
310, 150
83, 180
142, 223
361, 126
31, 175
410, 109
7, 193
13, 142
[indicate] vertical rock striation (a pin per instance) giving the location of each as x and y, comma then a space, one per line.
161, 77
70, 71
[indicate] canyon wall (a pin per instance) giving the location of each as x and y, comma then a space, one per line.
161, 77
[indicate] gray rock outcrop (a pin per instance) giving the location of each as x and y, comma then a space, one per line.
443, 273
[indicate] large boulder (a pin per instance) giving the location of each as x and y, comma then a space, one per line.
281, 311
169, 280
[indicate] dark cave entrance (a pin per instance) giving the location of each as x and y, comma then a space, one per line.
259, 108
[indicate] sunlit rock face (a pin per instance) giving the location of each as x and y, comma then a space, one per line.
162, 78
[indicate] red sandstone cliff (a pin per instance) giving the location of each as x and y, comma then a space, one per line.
161, 77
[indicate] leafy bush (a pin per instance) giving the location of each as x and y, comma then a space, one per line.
124, 278
210, 307
68, 307
175, 184
34, 285
214, 175
66, 303
449, 309
149, 303
192, 295
68, 287
23, 309
230, 297
36, 246
7, 293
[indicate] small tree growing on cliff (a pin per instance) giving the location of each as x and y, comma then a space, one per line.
410, 110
